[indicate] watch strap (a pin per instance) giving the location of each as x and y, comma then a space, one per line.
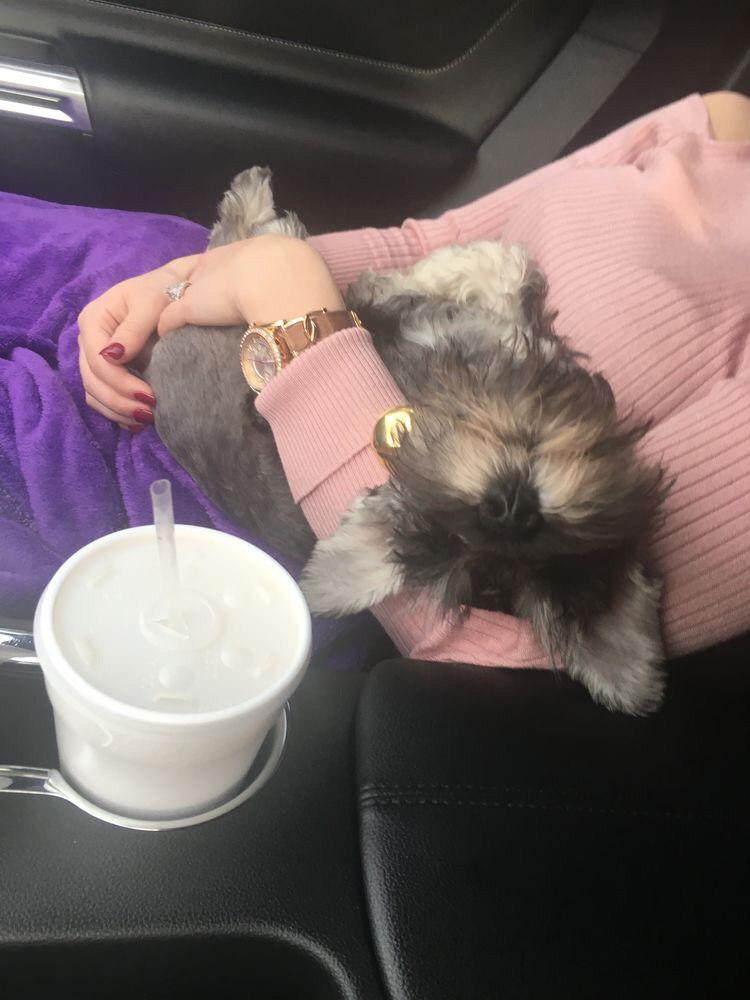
296, 335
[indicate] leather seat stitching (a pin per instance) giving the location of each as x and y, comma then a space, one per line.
269, 40
381, 800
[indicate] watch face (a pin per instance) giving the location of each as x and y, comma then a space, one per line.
260, 358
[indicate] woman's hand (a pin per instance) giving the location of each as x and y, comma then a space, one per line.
114, 329
257, 280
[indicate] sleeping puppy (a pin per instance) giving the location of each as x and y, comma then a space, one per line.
517, 487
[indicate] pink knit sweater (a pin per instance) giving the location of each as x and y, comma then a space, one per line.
645, 239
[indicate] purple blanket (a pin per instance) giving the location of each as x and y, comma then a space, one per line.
68, 475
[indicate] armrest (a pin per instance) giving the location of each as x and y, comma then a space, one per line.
520, 841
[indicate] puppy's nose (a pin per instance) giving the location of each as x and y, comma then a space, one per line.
513, 508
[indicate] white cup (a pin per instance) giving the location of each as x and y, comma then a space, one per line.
144, 762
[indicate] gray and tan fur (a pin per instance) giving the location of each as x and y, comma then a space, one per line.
518, 489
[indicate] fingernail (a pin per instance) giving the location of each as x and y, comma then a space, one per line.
113, 351
145, 397
143, 416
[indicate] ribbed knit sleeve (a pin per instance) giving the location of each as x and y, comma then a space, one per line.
322, 410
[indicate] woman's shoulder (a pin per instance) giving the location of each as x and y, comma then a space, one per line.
689, 115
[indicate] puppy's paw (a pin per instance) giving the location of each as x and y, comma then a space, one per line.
353, 569
619, 658
245, 208
251, 195
635, 687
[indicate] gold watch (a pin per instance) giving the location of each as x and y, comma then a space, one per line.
266, 348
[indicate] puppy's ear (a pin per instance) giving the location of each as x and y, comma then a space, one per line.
618, 655
354, 568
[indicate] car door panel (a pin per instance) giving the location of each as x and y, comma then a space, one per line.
178, 105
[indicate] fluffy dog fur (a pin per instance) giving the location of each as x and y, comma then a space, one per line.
518, 489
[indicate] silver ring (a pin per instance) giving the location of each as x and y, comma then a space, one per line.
175, 292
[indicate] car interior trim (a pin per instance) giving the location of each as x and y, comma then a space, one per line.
52, 94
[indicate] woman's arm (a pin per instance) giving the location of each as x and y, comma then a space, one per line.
257, 280
349, 253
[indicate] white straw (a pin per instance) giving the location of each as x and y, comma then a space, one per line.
161, 501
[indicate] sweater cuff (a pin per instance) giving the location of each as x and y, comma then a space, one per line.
323, 408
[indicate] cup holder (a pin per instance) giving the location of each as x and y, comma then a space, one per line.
16, 779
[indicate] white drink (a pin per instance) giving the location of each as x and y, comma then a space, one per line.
161, 706
232, 641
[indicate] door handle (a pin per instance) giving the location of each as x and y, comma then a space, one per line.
17, 649
36, 92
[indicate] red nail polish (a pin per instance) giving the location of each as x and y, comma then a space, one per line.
145, 397
113, 351
143, 416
